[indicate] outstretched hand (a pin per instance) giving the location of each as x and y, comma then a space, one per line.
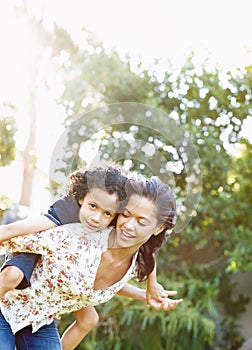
164, 303
156, 291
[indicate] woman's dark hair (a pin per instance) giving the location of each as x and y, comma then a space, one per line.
163, 198
107, 178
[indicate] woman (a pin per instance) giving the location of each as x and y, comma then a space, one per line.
100, 265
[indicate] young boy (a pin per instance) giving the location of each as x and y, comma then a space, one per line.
94, 195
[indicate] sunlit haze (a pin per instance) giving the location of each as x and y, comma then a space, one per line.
164, 29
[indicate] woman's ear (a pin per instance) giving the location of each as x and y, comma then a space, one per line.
158, 230
80, 202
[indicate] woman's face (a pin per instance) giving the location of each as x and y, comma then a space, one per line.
137, 223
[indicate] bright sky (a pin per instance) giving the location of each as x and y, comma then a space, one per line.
150, 29
164, 28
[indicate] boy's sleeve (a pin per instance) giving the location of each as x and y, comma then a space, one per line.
63, 211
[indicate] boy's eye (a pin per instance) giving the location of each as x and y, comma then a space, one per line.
108, 214
125, 214
92, 206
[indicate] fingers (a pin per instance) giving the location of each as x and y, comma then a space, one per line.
166, 304
162, 295
170, 304
166, 293
171, 292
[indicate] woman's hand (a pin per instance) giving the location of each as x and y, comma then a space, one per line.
156, 291
164, 304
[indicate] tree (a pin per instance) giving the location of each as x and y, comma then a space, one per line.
7, 132
28, 153
35, 38
7, 145
210, 105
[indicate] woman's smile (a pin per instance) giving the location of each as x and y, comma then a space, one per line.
126, 235
137, 223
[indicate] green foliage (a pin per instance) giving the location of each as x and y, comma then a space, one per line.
7, 132
212, 106
5, 204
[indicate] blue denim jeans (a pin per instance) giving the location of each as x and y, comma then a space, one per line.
46, 338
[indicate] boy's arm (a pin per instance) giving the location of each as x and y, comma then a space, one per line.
25, 226
63, 211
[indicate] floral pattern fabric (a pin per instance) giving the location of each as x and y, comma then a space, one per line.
63, 280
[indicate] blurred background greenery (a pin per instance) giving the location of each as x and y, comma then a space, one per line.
210, 259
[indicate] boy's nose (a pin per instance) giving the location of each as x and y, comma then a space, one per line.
96, 217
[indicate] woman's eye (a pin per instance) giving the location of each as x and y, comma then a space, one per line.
92, 206
108, 215
125, 214
141, 223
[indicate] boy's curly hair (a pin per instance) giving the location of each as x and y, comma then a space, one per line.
111, 179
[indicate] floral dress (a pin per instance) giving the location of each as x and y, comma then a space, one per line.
63, 280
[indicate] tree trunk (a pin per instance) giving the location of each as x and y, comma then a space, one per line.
28, 155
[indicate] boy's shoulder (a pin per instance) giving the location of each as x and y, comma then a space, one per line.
66, 210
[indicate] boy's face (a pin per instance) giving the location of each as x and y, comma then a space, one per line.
98, 209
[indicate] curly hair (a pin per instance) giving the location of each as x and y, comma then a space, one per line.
111, 179
163, 198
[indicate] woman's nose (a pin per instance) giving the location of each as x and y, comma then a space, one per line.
130, 224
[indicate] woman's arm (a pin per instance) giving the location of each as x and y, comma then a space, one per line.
24, 227
133, 292
166, 304
154, 289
